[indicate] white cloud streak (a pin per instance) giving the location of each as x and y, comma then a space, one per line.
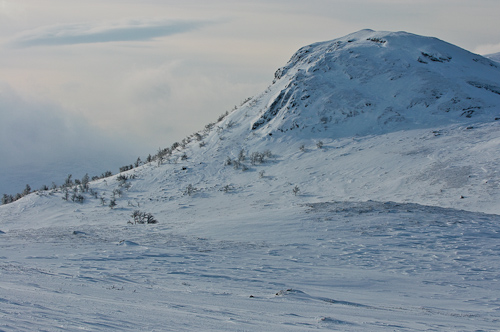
86, 33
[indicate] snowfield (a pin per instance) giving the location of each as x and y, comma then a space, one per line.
343, 266
312, 206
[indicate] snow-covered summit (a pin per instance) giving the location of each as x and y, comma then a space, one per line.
374, 82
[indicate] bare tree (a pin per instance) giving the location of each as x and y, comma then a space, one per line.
85, 182
27, 190
190, 189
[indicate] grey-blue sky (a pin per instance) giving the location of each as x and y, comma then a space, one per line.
143, 74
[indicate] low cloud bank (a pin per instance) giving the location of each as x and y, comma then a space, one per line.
40, 143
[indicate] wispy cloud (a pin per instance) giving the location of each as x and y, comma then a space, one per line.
85, 33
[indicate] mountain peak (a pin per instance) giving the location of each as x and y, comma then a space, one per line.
371, 82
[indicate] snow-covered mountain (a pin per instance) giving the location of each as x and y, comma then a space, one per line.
375, 82
337, 199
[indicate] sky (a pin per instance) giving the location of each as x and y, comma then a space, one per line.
89, 86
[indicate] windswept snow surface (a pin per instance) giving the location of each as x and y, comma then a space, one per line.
342, 266
395, 224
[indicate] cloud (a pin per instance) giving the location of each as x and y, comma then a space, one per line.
86, 33
180, 97
41, 142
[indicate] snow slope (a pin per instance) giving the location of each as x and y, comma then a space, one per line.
393, 143
494, 57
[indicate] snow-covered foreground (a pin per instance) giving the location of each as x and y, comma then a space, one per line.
338, 255
343, 266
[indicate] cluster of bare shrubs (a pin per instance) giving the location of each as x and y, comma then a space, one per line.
140, 217
255, 158
72, 190
76, 186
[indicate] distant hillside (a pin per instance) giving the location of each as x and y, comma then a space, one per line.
494, 57
329, 98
